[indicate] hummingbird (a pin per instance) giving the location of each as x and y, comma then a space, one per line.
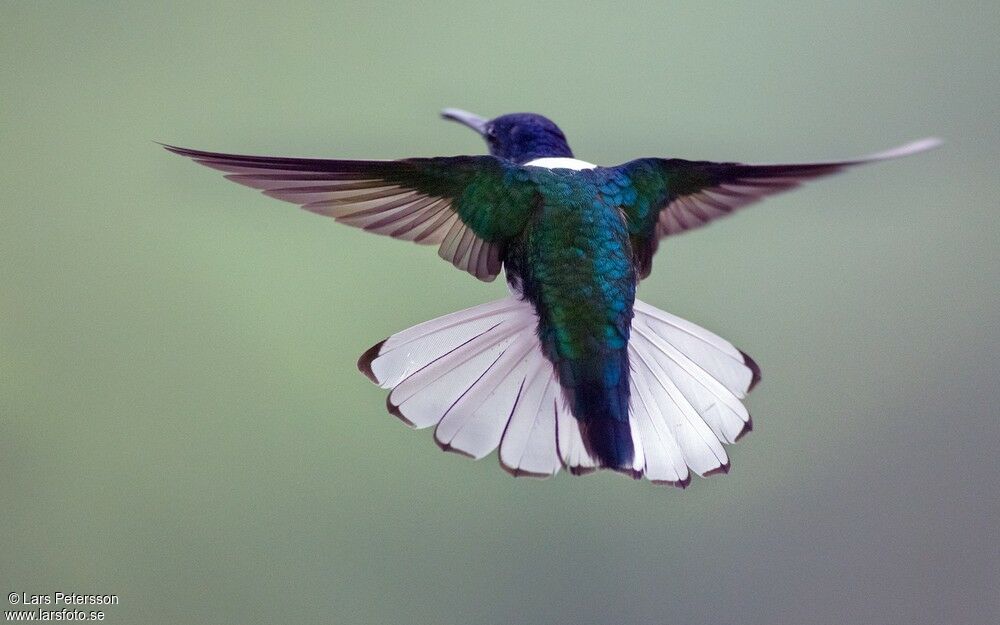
569, 370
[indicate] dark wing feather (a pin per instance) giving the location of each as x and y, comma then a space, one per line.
674, 195
470, 206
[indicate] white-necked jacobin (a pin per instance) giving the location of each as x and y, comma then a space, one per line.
570, 370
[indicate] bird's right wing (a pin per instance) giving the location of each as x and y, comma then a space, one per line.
674, 195
470, 206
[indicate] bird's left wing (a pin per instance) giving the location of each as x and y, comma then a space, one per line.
670, 196
470, 206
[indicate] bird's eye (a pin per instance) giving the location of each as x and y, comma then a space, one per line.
491, 133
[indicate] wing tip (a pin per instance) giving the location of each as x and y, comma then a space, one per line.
174, 149
908, 149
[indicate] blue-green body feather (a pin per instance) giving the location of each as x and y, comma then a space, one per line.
573, 262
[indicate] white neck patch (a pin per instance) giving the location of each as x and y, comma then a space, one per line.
560, 163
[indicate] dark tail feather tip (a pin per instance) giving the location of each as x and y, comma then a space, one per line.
393, 409
754, 369
747, 428
719, 470
448, 448
365, 362
682, 484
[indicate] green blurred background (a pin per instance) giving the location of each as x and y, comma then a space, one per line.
182, 422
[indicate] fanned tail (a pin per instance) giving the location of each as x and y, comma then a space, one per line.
480, 377
687, 384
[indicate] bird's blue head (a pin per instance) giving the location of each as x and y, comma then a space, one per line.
519, 137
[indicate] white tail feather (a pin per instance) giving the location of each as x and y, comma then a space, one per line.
480, 376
